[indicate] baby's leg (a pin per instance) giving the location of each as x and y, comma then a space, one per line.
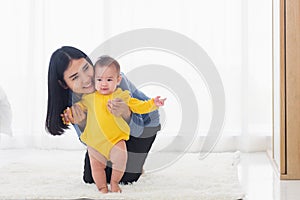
98, 164
118, 157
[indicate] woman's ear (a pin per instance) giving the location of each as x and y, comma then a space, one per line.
62, 84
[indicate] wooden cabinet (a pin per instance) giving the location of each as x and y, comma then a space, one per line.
286, 87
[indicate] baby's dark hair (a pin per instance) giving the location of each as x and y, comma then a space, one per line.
108, 61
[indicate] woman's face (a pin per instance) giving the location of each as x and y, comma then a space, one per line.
79, 76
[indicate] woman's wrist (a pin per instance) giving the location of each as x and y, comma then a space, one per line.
81, 125
127, 115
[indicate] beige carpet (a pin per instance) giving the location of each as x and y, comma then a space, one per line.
42, 174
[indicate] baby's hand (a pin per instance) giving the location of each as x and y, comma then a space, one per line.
74, 115
67, 116
159, 102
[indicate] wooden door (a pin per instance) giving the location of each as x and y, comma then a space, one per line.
292, 67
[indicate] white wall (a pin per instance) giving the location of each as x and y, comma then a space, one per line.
237, 35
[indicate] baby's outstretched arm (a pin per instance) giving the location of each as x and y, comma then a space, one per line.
142, 107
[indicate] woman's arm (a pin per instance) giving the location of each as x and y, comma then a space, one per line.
119, 108
76, 116
136, 121
151, 119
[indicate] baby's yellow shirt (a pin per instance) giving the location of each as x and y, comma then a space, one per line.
103, 130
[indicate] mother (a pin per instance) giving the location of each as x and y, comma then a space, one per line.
70, 76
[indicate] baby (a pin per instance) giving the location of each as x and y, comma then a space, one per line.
105, 134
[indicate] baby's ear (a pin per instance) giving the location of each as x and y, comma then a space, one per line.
119, 79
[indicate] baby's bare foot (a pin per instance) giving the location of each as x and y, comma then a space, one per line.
103, 189
114, 187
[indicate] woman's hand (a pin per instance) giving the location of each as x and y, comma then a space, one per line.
74, 115
119, 108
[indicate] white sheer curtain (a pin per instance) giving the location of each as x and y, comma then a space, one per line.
237, 35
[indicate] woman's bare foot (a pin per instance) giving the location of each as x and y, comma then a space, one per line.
103, 189
114, 187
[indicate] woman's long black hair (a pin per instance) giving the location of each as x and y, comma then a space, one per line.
59, 97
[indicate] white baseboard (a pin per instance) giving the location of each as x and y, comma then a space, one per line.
225, 143
69, 141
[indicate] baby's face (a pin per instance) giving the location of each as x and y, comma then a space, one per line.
106, 79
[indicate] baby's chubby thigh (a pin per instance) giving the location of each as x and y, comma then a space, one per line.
95, 154
118, 155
